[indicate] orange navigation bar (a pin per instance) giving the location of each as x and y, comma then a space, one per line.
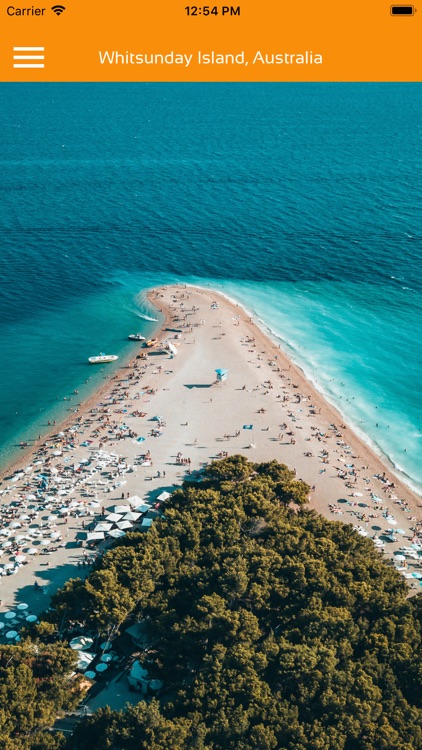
170, 40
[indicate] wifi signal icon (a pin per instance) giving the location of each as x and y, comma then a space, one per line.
58, 9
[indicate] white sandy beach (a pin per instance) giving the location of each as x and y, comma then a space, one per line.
200, 419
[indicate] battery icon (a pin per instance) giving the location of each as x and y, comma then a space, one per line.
402, 10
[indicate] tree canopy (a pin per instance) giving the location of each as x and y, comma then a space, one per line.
35, 686
270, 626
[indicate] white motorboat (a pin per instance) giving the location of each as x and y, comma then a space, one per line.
102, 359
136, 337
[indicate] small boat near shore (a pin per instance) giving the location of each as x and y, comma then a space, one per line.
136, 337
101, 359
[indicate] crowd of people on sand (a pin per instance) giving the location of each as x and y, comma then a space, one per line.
71, 470
38, 501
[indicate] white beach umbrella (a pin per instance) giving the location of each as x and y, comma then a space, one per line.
121, 509
95, 536
15, 525
31, 618
164, 496
124, 525
106, 658
2, 625
101, 667
401, 558
10, 615
81, 642
116, 533
131, 516
84, 659
31, 551
134, 499
90, 675
31, 497
103, 526
11, 634
9, 566
20, 558
6, 544
114, 517
22, 606
24, 517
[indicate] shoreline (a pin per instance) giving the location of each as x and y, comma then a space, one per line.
268, 333
266, 410
62, 424
278, 339
266, 330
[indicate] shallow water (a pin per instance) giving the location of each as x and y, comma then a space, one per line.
300, 200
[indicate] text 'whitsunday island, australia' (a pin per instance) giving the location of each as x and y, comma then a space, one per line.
116, 57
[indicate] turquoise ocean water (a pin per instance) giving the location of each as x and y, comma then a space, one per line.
302, 201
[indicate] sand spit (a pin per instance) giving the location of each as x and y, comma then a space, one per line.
161, 417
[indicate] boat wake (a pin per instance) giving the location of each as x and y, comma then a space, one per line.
146, 317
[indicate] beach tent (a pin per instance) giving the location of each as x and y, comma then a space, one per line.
221, 374
147, 522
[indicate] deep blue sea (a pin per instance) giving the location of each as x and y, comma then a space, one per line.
303, 201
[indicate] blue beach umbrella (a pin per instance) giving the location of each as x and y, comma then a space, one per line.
221, 373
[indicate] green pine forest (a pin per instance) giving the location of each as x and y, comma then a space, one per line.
269, 626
